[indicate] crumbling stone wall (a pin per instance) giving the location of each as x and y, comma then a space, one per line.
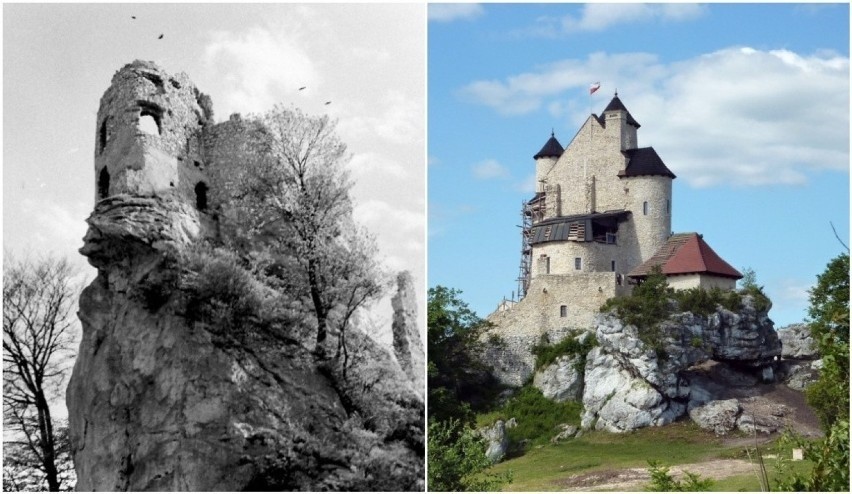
147, 158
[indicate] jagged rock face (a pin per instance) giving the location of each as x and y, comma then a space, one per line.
797, 342
561, 380
719, 416
407, 342
497, 440
160, 401
628, 385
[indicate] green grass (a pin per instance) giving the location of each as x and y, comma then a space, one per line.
749, 483
542, 467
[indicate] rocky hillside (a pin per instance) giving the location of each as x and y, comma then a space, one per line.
723, 369
193, 375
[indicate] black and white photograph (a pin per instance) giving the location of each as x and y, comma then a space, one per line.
214, 247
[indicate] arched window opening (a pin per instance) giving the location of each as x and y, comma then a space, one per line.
103, 183
148, 123
150, 118
201, 196
102, 136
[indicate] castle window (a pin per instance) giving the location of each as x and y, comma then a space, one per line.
150, 118
102, 136
645, 208
201, 196
563, 311
612, 265
103, 183
668, 206
578, 263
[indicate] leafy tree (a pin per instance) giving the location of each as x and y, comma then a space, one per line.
290, 201
829, 395
829, 314
457, 459
457, 376
38, 324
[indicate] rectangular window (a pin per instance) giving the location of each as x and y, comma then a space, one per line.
668, 206
578, 263
563, 311
612, 264
645, 208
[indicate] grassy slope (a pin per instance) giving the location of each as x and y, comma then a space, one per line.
541, 468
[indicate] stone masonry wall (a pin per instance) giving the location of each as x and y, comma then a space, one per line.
146, 162
520, 327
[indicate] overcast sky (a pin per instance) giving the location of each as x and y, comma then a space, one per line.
747, 104
368, 60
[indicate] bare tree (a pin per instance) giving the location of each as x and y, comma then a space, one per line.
292, 194
38, 325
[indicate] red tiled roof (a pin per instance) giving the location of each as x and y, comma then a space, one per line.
686, 253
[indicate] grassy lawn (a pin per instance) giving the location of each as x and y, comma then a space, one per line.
542, 467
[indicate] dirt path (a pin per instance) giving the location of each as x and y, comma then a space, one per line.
634, 479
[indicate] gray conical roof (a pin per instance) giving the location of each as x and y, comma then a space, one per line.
551, 149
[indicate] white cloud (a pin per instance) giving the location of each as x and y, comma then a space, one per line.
738, 116
596, 17
257, 67
489, 169
367, 165
448, 12
396, 118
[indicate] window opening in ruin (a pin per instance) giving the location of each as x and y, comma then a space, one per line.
645, 208
157, 80
103, 183
563, 311
150, 118
201, 196
578, 263
102, 137
148, 124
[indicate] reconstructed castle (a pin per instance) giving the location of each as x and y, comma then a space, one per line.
599, 222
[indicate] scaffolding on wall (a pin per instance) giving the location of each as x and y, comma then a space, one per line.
531, 213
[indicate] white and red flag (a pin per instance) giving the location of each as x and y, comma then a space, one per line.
594, 87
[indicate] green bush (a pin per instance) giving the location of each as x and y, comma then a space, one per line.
662, 481
537, 416
546, 354
457, 459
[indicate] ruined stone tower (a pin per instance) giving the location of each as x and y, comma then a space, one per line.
149, 136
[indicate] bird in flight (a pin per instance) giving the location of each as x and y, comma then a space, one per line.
161, 37
328, 102
132, 16
303, 87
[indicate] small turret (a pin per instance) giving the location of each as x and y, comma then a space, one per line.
620, 122
547, 157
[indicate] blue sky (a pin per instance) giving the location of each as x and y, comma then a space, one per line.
747, 104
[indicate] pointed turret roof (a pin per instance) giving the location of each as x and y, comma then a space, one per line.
551, 149
644, 161
617, 105
686, 253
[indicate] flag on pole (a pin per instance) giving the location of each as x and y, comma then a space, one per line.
594, 87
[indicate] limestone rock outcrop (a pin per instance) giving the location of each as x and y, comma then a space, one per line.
719, 416
629, 385
160, 400
797, 342
561, 380
407, 342
497, 441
